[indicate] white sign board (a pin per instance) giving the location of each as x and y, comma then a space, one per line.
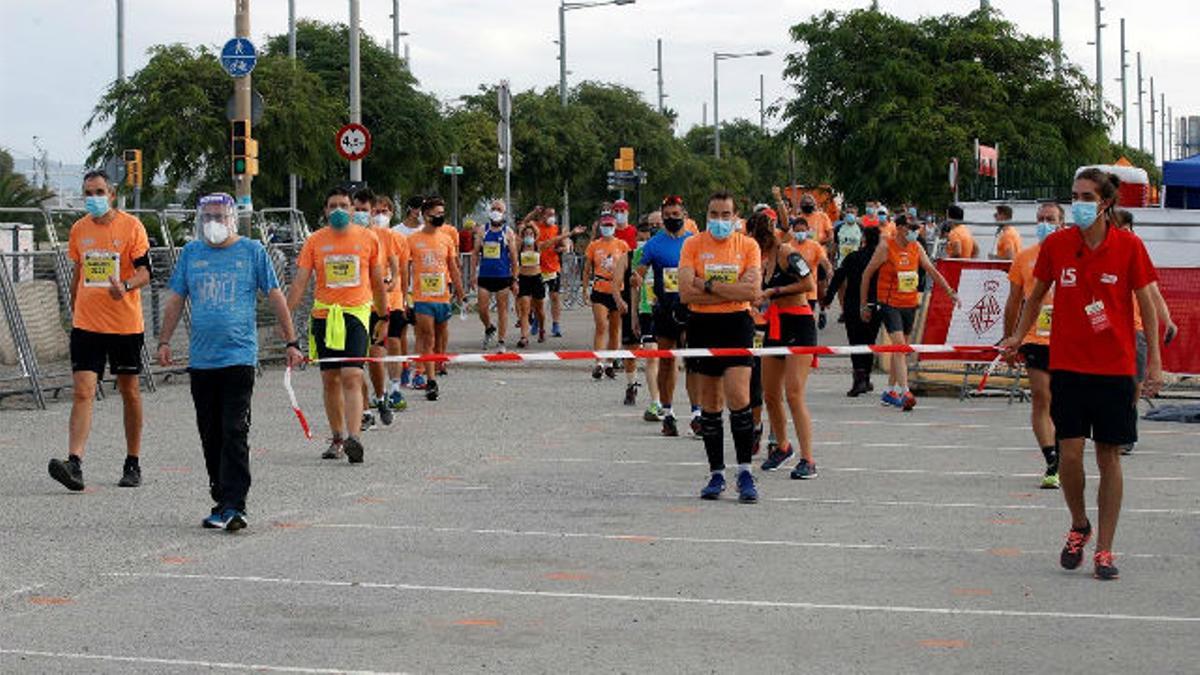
980, 319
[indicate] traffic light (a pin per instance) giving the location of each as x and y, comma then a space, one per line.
133, 168
243, 149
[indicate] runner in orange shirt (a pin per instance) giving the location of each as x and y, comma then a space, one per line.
898, 296
346, 262
399, 316
960, 243
111, 253
450, 232
720, 276
434, 270
1008, 240
818, 221
1035, 347
604, 264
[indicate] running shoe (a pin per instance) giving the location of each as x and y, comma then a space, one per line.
236, 521
654, 412
631, 390
69, 473
1072, 553
821, 321
669, 428
892, 398
131, 476
597, 372
522, 343
804, 470
384, 410
217, 520
396, 401
500, 347
405, 376
368, 421
716, 485
777, 456
354, 450
1050, 481
908, 401
747, 493
610, 372
697, 429
431, 391
1127, 449
334, 451
489, 337
555, 331
1105, 569
442, 369
418, 381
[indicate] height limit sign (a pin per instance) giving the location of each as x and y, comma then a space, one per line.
353, 141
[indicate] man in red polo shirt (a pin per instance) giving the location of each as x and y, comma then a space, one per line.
1096, 270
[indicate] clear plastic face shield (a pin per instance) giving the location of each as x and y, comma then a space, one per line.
216, 219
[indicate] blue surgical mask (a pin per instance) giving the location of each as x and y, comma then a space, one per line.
607, 230
339, 219
720, 229
1044, 229
1084, 213
800, 235
96, 205
912, 213
362, 218
622, 218
911, 235
530, 241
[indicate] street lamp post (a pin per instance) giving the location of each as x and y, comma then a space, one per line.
717, 58
563, 8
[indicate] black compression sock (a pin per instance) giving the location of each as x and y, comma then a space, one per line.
741, 424
713, 430
131, 461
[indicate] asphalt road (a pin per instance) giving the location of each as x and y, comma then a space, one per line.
528, 522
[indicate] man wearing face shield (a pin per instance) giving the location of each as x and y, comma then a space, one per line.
222, 275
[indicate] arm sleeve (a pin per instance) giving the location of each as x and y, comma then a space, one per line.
178, 282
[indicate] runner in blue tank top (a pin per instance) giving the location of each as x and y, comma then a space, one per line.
496, 252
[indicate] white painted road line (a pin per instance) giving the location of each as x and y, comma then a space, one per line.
208, 665
785, 543
668, 600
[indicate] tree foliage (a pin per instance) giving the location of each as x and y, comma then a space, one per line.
15, 189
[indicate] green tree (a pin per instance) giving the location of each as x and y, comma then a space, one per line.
16, 191
882, 104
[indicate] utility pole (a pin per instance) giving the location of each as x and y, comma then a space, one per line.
1153, 116
1141, 91
1162, 130
1124, 89
658, 69
292, 186
762, 110
396, 28
454, 189
242, 111
1057, 39
1099, 65
120, 40
704, 114
1172, 154
355, 85
716, 111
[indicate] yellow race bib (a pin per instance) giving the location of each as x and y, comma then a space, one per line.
906, 282
530, 258
1044, 319
719, 274
341, 271
491, 250
433, 283
670, 276
549, 276
99, 267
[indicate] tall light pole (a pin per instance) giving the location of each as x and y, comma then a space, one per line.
717, 58
1153, 117
658, 69
1124, 79
1099, 64
242, 110
120, 40
563, 8
1162, 131
292, 186
1057, 39
355, 85
1140, 92
762, 109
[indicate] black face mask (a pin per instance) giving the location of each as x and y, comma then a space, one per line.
673, 224
807, 208
437, 221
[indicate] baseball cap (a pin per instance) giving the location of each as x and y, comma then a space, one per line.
620, 205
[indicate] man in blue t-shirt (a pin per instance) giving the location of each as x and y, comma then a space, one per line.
222, 273
661, 255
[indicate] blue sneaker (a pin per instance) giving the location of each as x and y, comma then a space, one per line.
405, 376
555, 331
716, 485
396, 401
892, 398
218, 520
418, 381
234, 520
777, 456
533, 325
747, 493
804, 470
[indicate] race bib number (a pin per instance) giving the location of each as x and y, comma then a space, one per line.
530, 258
906, 282
846, 250
1044, 319
491, 250
99, 266
549, 276
758, 340
341, 271
433, 283
1097, 316
671, 279
720, 274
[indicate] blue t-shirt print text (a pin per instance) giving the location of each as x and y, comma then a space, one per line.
223, 284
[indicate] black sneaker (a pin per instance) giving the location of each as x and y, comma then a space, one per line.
1105, 569
131, 477
777, 456
385, 412
353, 449
669, 427
1072, 553
334, 451
237, 521
368, 421
697, 430
69, 473
804, 470
597, 372
431, 390
610, 372
631, 391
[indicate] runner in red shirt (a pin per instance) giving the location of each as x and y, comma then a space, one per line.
1096, 270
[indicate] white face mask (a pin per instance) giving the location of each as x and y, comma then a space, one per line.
496, 215
381, 219
215, 232
552, 220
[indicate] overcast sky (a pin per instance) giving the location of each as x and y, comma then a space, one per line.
56, 56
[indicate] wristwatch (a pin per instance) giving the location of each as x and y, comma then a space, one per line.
708, 285
294, 344
125, 285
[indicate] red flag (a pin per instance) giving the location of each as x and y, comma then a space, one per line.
989, 161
